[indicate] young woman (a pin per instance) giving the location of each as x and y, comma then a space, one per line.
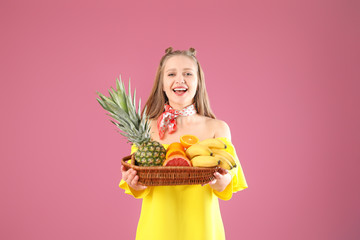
185, 211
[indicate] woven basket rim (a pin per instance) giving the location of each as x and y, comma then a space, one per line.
171, 175
132, 165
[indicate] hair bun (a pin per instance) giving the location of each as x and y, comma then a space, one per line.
168, 50
193, 51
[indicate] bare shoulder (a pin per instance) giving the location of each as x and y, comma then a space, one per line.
220, 127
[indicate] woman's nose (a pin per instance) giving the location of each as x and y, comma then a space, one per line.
180, 79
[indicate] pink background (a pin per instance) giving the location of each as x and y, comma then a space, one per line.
283, 74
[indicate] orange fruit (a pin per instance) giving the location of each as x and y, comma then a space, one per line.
176, 145
174, 151
188, 140
177, 160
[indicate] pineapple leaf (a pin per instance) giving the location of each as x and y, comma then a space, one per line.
132, 111
144, 114
117, 118
101, 103
134, 102
129, 94
123, 121
125, 113
123, 96
102, 96
120, 101
113, 108
120, 95
139, 108
118, 84
107, 102
112, 96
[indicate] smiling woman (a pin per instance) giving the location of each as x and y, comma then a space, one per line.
178, 108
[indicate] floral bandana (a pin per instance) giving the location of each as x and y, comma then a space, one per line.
167, 119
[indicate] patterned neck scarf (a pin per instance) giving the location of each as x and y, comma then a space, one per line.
167, 119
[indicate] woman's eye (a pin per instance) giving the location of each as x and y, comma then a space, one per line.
188, 74
171, 74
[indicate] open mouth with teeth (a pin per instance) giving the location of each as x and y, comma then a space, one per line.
180, 91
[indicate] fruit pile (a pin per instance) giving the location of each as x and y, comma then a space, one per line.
192, 152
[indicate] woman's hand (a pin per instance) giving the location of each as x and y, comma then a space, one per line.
222, 179
131, 179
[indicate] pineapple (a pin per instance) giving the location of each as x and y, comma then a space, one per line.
133, 126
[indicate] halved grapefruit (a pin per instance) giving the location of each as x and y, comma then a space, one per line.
177, 160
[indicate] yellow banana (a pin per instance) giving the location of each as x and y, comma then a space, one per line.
213, 143
198, 150
225, 154
224, 163
205, 161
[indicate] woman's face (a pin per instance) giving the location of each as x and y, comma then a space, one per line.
180, 80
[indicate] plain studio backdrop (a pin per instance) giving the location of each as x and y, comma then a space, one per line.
283, 74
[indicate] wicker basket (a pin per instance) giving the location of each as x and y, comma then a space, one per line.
164, 176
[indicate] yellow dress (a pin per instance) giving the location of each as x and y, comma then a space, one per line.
184, 212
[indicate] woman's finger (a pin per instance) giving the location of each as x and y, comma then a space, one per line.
125, 175
213, 182
136, 185
129, 175
123, 171
134, 181
218, 176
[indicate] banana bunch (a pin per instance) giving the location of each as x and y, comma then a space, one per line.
210, 153
201, 156
227, 161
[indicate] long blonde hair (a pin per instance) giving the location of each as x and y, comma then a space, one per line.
155, 103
